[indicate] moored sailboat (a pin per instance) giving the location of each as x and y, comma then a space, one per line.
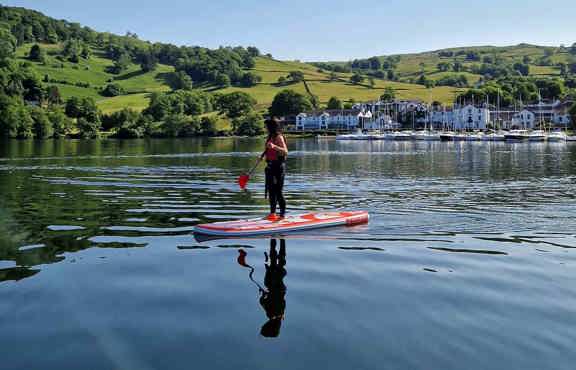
537, 136
557, 136
516, 135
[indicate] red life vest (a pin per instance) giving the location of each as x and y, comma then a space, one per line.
273, 154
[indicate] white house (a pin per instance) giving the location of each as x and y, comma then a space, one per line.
562, 119
442, 118
340, 119
380, 122
524, 119
469, 117
502, 118
555, 112
561, 116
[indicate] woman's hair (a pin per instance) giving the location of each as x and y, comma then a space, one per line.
273, 126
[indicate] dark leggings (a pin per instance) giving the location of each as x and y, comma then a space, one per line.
275, 184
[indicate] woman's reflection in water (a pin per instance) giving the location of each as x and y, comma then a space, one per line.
272, 298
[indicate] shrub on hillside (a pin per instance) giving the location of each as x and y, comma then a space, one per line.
112, 90
250, 79
37, 54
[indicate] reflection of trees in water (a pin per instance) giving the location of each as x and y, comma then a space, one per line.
49, 252
16, 273
28, 204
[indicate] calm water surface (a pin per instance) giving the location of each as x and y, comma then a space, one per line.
468, 261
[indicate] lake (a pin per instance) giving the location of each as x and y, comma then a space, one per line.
468, 261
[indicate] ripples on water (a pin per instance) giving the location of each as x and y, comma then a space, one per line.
467, 261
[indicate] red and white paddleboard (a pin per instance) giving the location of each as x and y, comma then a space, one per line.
259, 226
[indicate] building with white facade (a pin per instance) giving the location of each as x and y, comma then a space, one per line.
468, 117
442, 118
561, 115
338, 119
555, 112
524, 119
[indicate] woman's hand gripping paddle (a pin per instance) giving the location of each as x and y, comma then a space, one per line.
243, 179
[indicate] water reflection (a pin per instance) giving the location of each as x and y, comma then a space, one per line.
480, 234
273, 294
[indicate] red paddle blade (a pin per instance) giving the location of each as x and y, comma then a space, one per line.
243, 180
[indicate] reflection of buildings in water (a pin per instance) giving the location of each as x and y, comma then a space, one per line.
273, 294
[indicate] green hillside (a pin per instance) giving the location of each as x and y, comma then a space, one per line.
410, 64
93, 71
474, 63
320, 84
438, 75
138, 85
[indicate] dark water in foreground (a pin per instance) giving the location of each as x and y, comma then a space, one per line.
468, 261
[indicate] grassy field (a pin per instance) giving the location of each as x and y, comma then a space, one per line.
139, 85
137, 102
411, 65
320, 85
93, 71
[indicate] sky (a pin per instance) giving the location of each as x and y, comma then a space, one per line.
335, 30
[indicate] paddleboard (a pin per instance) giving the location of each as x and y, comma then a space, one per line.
262, 226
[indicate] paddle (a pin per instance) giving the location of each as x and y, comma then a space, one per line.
242, 262
243, 179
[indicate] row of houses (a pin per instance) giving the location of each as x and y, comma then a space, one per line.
415, 113
341, 119
529, 117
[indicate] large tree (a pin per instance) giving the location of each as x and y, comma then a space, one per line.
148, 61
251, 124
444, 66
523, 69
288, 102
296, 76
7, 44
36, 53
250, 79
356, 78
375, 63
334, 103
42, 126
389, 94
236, 104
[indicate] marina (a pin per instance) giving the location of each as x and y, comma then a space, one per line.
510, 136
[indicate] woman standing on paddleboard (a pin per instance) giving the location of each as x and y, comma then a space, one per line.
275, 154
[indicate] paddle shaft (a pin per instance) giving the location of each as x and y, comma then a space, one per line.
254, 167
